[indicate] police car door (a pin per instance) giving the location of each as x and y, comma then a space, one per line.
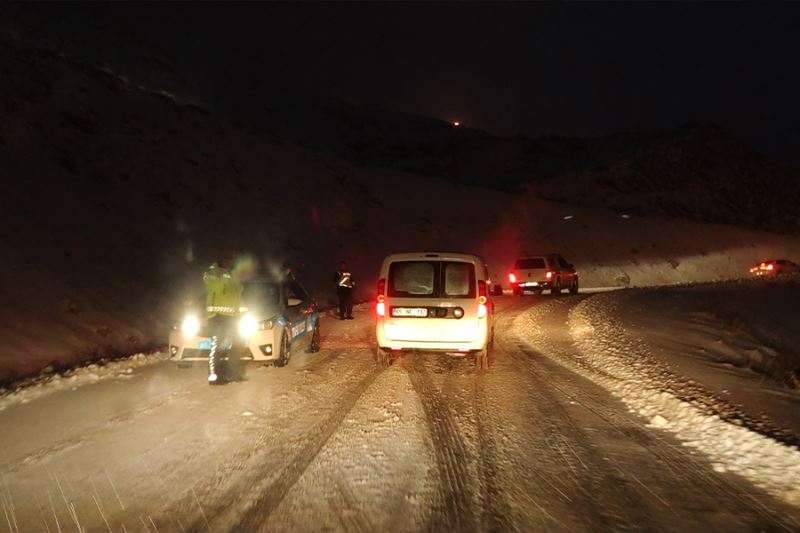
299, 322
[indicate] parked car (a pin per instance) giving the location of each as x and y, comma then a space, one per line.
775, 267
279, 318
537, 273
434, 302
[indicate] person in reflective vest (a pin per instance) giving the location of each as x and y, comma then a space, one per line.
223, 303
344, 289
287, 273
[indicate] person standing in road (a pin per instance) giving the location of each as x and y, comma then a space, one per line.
223, 303
287, 274
344, 289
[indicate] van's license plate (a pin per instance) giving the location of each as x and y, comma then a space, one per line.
410, 311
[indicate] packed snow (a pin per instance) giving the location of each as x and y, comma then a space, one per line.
738, 340
49, 382
332, 441
625, 366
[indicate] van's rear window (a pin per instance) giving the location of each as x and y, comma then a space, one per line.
431, 279
412, 278
532, 262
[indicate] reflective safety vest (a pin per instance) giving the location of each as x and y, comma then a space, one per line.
223, 292
345, 279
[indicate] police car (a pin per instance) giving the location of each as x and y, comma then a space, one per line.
279, 317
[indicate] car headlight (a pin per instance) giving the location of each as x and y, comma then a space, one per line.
190, 326
248, 325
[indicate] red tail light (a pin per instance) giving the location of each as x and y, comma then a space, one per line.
512, 277
483, 297
381, 307
549, 275
770, 266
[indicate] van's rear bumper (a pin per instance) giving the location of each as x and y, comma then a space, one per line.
532, 285
477, 341
448, 347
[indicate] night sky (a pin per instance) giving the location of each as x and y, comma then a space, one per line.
583, 69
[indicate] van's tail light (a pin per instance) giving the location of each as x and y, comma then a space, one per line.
549, 275
380, 308
770, 266
512, 277
483, 297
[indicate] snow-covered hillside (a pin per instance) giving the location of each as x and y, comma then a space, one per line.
115, 197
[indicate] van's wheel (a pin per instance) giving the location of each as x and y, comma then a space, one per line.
382, 357
482, 358
283, 353
573, 289
315, 340
556, 287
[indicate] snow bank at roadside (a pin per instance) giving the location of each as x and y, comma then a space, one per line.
625, 367
737, 340
750, 324
49, 382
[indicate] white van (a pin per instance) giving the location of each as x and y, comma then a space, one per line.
434, 301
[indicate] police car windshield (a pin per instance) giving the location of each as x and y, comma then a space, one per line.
261, 294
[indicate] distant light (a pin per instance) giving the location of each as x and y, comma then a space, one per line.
456, 123
568, 217
626, 216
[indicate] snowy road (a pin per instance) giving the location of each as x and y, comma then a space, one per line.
332, 442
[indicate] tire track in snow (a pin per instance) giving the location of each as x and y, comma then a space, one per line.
674, 460
692, 474
49, 453
657, 394
273, 493
572, 447
455, 511
495, 506
186, 504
